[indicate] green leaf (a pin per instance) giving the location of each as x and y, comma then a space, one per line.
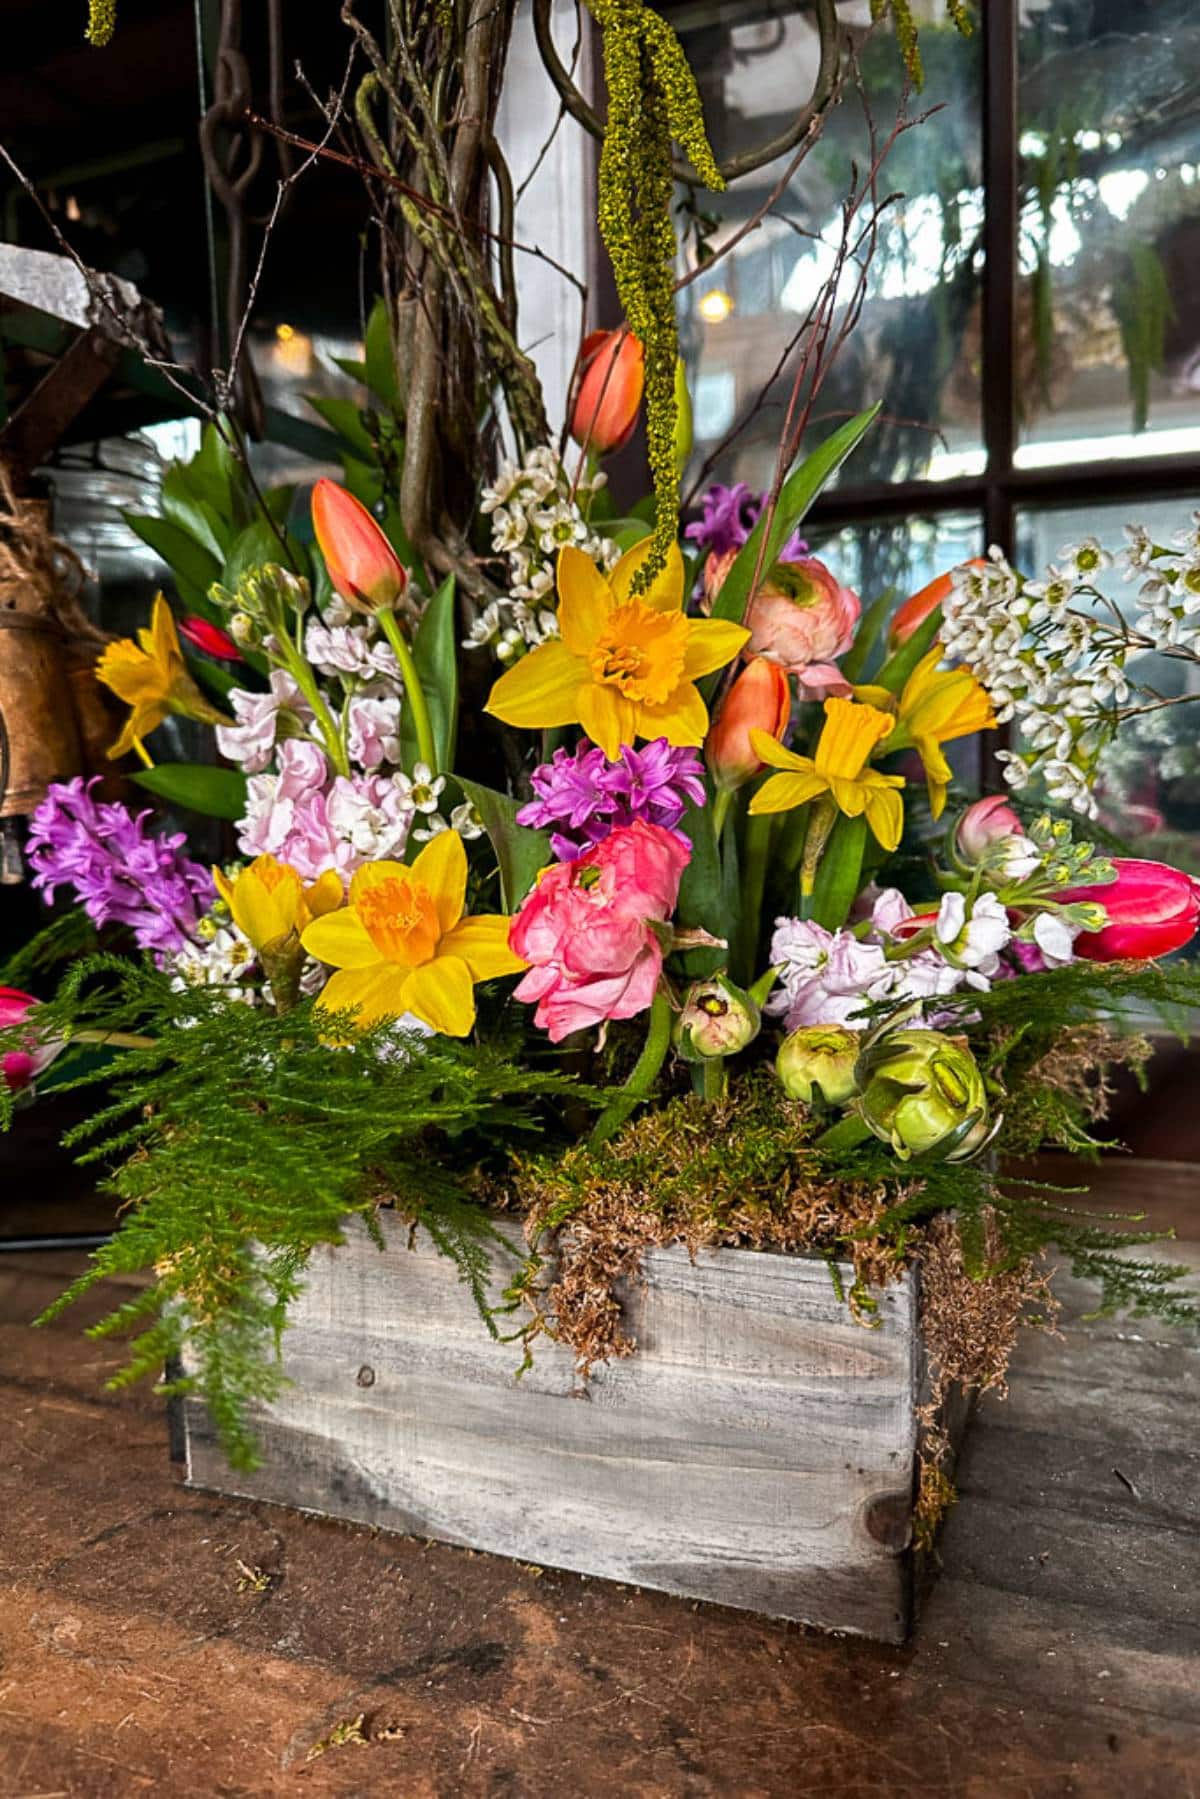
218, 677
216, 476
356, 370
194, 568
435, 652
705, 902
193, 514
627, 531
257, 544
345, 417
899, 666
799, 491
216, 792
380, 362
521, 853
839, 873
857, 657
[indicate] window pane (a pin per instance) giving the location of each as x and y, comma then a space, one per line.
1150, 791
1109, 361
916, 347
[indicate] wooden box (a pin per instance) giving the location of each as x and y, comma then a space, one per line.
758, 1450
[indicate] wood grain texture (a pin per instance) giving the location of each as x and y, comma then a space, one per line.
758, 1450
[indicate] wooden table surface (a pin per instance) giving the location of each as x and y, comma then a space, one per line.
153, 1640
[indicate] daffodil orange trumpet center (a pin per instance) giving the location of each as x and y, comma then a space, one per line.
400, 918
641, 652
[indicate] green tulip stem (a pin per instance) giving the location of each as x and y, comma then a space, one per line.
645, 1072
720, 811
847, 1133
414, 693
755, 857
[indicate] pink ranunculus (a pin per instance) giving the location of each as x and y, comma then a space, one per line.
587, 929
804, 619
1152, 909
19, 1068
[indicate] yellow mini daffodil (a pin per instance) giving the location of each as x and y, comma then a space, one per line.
626, 664
270, 903
838, 768
935, 706
403, 945
152, 678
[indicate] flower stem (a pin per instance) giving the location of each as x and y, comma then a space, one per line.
296, 665
753, 881
845, 1134
414, 693
821, 821
720, 811
645, 1072
716, 1077
114, 1039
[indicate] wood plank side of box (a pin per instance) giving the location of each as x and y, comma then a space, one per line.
758, 1450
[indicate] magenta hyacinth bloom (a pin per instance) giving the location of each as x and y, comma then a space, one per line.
727, 517
587, 797
120, 872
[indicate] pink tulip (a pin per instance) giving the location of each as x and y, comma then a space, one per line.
803, 619
1152, 909
587, 929
759, 700
609, 380
362, 564
202, 634
19, 1068
985, 822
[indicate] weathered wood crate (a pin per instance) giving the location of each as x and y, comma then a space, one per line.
758, 1450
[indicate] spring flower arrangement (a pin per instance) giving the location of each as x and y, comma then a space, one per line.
641, 899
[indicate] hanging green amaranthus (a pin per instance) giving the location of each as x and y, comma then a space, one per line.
958, 11
652, 102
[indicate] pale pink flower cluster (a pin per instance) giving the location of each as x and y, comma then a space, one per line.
342, 642
314, 822
829, 977
251, 741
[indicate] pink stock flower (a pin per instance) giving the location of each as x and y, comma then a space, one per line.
374, 731
251, 741
19, 1068
803, 619
301, 817
587, 929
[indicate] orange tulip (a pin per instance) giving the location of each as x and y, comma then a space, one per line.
759, 700
362, 564
609, 379
909, 617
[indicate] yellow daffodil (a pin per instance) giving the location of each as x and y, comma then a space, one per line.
625, 665
838, 768
270, 903
403, 945
935, 706
152, 678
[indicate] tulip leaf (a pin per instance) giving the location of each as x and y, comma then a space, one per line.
435, 652
706, 899
215, 792
520, 852
218, 677
262, 541
839, 873
854, 662
380, 358
193, 567
900, 664
625, 532
798, 493
193, 514
344, 417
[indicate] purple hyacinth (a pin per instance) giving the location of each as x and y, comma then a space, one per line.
727, 517
591, 796
119, 872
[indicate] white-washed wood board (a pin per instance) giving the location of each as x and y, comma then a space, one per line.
757, 1450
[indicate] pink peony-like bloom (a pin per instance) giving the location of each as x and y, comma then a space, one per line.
19, 1068
587, 929
804, 619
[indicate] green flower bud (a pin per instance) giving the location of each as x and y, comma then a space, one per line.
817, 1061
923, 1094
718, 1019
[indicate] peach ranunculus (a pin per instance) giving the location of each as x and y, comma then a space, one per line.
588, 929
804, 619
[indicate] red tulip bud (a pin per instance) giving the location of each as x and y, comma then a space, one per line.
19, 1068
203, 635
1152, 909
759, 700
608, 390
362, 564
907, 618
